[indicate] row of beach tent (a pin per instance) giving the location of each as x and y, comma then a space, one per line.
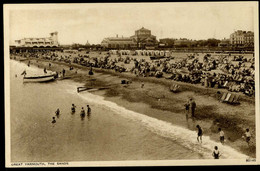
142, 52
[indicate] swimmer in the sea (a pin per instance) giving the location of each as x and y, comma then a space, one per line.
53, 120
73, 108
82, 113
88, 110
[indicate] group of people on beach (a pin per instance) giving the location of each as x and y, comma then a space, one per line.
190, 106
239, 76
73, 110
234, 77
216, 154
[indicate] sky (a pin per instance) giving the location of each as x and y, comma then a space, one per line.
81, 23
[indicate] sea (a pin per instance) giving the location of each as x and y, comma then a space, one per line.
110, 133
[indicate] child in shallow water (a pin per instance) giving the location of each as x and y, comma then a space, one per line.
199, 138
53, 120
216, 154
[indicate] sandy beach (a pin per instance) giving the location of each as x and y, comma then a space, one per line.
156, 100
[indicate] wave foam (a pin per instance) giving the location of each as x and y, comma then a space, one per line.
183, 136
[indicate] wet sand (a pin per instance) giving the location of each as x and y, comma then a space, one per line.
155, 100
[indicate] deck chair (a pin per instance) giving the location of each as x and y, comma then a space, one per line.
174, 87
223, 97
230, 100
235, 100
227, 97
225, 84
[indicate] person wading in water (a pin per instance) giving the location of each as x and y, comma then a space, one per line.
73, 108
82, 113
199, 137
88, 110
216, 154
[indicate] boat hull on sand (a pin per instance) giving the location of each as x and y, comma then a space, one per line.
43, 78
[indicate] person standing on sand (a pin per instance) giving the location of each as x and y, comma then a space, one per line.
63, 72
199, 137
193, 107
142, 85
221, 135
187, 109
248, 136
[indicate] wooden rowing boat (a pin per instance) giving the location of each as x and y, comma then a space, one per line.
40, 78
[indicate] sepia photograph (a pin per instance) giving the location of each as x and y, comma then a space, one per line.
131, 84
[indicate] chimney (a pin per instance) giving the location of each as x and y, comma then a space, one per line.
117, 35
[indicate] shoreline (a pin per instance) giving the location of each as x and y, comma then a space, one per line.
155, 98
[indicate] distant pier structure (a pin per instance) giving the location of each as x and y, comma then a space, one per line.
37, 44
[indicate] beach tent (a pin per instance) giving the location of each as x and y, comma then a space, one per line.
157, 53
152, 52
149, 52
167, 53
114, 52
138, 52
161, 53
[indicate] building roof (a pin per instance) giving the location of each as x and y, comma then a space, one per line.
143, 29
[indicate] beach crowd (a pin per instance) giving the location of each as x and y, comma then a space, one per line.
235, 73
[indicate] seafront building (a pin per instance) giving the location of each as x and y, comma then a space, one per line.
224, 43
37, 44
143, 39
242, 39
118, 43
46, 42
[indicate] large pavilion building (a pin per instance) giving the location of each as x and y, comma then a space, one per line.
143, 39
118, 43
